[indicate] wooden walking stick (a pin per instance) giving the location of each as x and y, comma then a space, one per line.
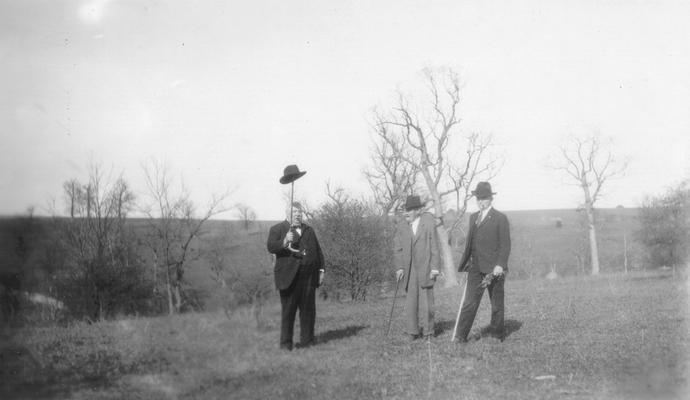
462, 302
395, 296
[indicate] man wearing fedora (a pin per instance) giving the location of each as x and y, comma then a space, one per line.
485, 260
298, 270
417, 260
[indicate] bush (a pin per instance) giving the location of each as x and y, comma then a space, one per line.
665, 230
357, 246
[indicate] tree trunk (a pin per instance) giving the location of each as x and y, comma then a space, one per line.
168, 287
447, 254
589, 210
88, 201
443, 242
155, 272
178, 298
594, 249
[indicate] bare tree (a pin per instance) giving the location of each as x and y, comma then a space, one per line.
122, 198
390, 177
100, 258
246, 214
74, 196
590, 164
175, 225
416, 137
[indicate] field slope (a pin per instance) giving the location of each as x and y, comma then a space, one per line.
607, 337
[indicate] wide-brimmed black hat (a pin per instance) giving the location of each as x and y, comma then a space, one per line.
413, 203
483, 191
290, 174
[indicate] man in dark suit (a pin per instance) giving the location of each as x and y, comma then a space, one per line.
299, 270
485, 260
417, 259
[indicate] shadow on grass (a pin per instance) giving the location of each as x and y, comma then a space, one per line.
510, 326
335, 334
443, 326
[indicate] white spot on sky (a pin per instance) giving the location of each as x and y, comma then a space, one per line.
91, 12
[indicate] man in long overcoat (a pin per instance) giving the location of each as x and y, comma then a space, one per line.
299, 270
417, 259
485, 260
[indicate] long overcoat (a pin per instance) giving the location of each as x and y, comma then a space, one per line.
419, 251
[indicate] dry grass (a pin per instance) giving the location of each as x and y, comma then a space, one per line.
607, 337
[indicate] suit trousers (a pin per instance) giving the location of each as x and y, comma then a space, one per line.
419, 301
473, 296
301, 295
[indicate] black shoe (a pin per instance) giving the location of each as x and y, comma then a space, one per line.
304, 345
411, 338
286, 347
470, 338
498, 336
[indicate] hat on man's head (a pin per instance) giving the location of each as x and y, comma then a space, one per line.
483, 191
291, 173
412, 203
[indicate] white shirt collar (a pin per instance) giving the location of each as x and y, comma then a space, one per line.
482, 214
415, 224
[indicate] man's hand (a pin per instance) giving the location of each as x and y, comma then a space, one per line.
289, 237
498, 270
321, 275
433, 274
486, 281
399, 275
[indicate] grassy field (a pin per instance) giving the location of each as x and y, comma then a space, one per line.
606, 337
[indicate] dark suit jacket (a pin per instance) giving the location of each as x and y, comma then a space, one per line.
418, 251
287, 263
491, 240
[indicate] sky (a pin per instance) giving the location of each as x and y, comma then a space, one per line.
228, 93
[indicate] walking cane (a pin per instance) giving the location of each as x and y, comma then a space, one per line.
462, 302
395, 296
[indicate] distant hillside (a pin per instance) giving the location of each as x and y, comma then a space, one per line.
545, 240
556, 239
542, 241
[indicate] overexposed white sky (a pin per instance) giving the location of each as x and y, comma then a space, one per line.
229, 93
